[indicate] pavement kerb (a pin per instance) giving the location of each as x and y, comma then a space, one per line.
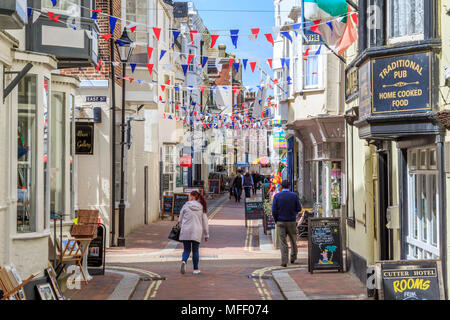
288, 287
126, 287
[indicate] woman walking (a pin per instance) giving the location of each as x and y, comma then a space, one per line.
194, 226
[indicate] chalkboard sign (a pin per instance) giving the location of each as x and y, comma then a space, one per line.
411, 280
269, 222
168, 204
324, 244
253, 210
179, 199
166, 181
96, 247
214, 186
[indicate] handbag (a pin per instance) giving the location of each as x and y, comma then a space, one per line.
175, 233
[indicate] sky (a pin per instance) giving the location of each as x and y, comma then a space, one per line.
224, 15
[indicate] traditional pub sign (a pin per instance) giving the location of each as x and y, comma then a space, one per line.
399, 84
84, 138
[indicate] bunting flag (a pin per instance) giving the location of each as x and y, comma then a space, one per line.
94, 16
106, 36
287, 61
269, 61
133, 67
306, 54
112, 23
214, 38
349, 37
36, 15
190, 57
244, 62
315, 27
99, 67
234, 37
253, 65
133, 28
202, 88
255, 32
283, 61
318, 50
163, 52
287, 35
296, 27
354, 16
269, 38
236, 66
50, 16
192, 32
54, 2
157, 32
149, 52
150, 68
204, 61
184, 67
176, 34
231, 61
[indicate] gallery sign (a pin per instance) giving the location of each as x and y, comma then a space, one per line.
401, 84
84, 138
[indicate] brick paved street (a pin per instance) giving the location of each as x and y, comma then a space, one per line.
233, 265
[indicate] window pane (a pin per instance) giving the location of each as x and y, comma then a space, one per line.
434, 199
406, 17
46, 151
26, 155
311, 71
57, 158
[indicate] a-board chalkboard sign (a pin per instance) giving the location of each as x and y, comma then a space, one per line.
214, 186
253, 210
270, 222
324, 244
166, 181
96, 253
179, 199
167, 205
411, 280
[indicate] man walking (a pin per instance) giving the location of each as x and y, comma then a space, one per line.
285, 207
237, 186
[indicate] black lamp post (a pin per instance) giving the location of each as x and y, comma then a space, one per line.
125, 48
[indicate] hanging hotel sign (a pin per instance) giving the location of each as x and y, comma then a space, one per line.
401, 84
84, 138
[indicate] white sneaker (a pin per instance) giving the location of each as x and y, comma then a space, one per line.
183, 267
196, 272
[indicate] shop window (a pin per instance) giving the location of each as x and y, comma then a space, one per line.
58, 155
406, 20
26, 154
423, 215
311, 71
46, 137
72, 158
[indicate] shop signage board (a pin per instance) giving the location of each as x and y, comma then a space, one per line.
179, 199
351, 84
168, 205
270, 222
411, 280
402, 84
214, 186
84, 138
365, 90
96, 253
324, 244
254, 210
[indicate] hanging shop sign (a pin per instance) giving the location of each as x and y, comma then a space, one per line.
365, 90
351, 84
411, 280
186, 161
402, 84
84, 138
324, 244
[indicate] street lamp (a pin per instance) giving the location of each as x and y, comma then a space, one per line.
125, 48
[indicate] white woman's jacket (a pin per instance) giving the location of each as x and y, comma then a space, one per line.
193, 222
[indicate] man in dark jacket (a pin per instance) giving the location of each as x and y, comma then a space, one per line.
237, 186
285, 207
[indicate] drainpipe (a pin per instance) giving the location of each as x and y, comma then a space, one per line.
113, 139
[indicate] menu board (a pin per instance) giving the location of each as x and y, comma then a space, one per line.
270, 222
411, 280
324, 244
253, 210
214, 186
179, 199
167, 204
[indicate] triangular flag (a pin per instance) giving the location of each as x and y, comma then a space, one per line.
296, 27
184, 67
150, 68
190, 57
112, 23
106, 36
234, 37
133, 67
29, 11
244, 62
163, 52
202, 88
175, 33
306, 54
133, 28
318, 50
287, 35
253, 65
255, 32
354, 16
204, 61
94, 16
192, 32
269, 61
157, 32
149, 52
231, 61
269, 38
288, 62
163, 87
236, 66
50, 15
350, 35
36, 15
283, 61
214, 38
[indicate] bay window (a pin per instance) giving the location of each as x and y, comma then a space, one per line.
406, 20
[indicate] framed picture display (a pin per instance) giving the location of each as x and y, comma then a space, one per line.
51, 275
45, 291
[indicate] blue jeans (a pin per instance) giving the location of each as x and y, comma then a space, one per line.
187, 252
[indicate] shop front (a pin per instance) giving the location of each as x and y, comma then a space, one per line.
322, 163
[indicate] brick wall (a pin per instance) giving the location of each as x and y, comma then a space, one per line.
103, 46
